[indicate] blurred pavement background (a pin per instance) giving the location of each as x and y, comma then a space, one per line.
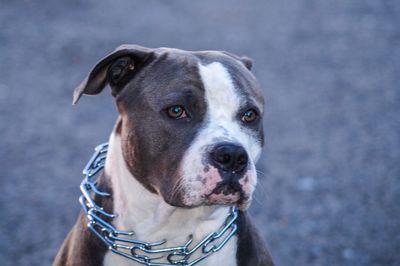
330, 189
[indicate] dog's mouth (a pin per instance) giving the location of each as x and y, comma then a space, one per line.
227, 188
212, 189
228, 193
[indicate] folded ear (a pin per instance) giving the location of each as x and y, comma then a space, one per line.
246, 61
113, 69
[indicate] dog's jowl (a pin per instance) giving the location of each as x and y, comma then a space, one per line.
180, 164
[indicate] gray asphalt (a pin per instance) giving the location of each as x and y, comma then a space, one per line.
329, 191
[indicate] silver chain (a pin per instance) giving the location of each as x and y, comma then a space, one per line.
150, 254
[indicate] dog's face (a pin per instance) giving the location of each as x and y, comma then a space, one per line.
191, 122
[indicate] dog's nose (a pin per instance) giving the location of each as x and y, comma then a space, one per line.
229, 157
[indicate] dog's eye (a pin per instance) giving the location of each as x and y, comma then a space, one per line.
249, 116
176, 112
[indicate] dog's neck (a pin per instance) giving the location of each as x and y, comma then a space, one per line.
147, 214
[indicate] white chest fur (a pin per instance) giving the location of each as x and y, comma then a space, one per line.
153, 220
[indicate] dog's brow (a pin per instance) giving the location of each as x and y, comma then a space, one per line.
177, 97
251, 102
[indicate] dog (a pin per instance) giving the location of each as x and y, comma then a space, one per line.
180, 158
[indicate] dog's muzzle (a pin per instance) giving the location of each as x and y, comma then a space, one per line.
231, 161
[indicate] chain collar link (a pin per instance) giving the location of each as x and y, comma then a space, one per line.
122, 243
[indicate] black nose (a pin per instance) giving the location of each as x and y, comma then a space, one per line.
229, 157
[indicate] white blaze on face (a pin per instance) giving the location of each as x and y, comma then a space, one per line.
222, 124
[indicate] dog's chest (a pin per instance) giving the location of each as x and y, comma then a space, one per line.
176, 229
177, 236
226, 256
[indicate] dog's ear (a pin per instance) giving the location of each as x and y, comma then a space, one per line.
246, 61
114, 69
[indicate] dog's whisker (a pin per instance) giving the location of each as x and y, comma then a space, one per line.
258, 193
261, 174
177, 187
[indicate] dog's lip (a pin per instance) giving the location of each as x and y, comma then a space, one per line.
227, 188
242, 202
222, 197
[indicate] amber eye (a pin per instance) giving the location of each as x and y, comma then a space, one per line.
176, 112
249, 116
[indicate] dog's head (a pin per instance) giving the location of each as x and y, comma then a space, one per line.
190, 122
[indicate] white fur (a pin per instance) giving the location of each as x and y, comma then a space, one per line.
223, 124
153, 220
223, 102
